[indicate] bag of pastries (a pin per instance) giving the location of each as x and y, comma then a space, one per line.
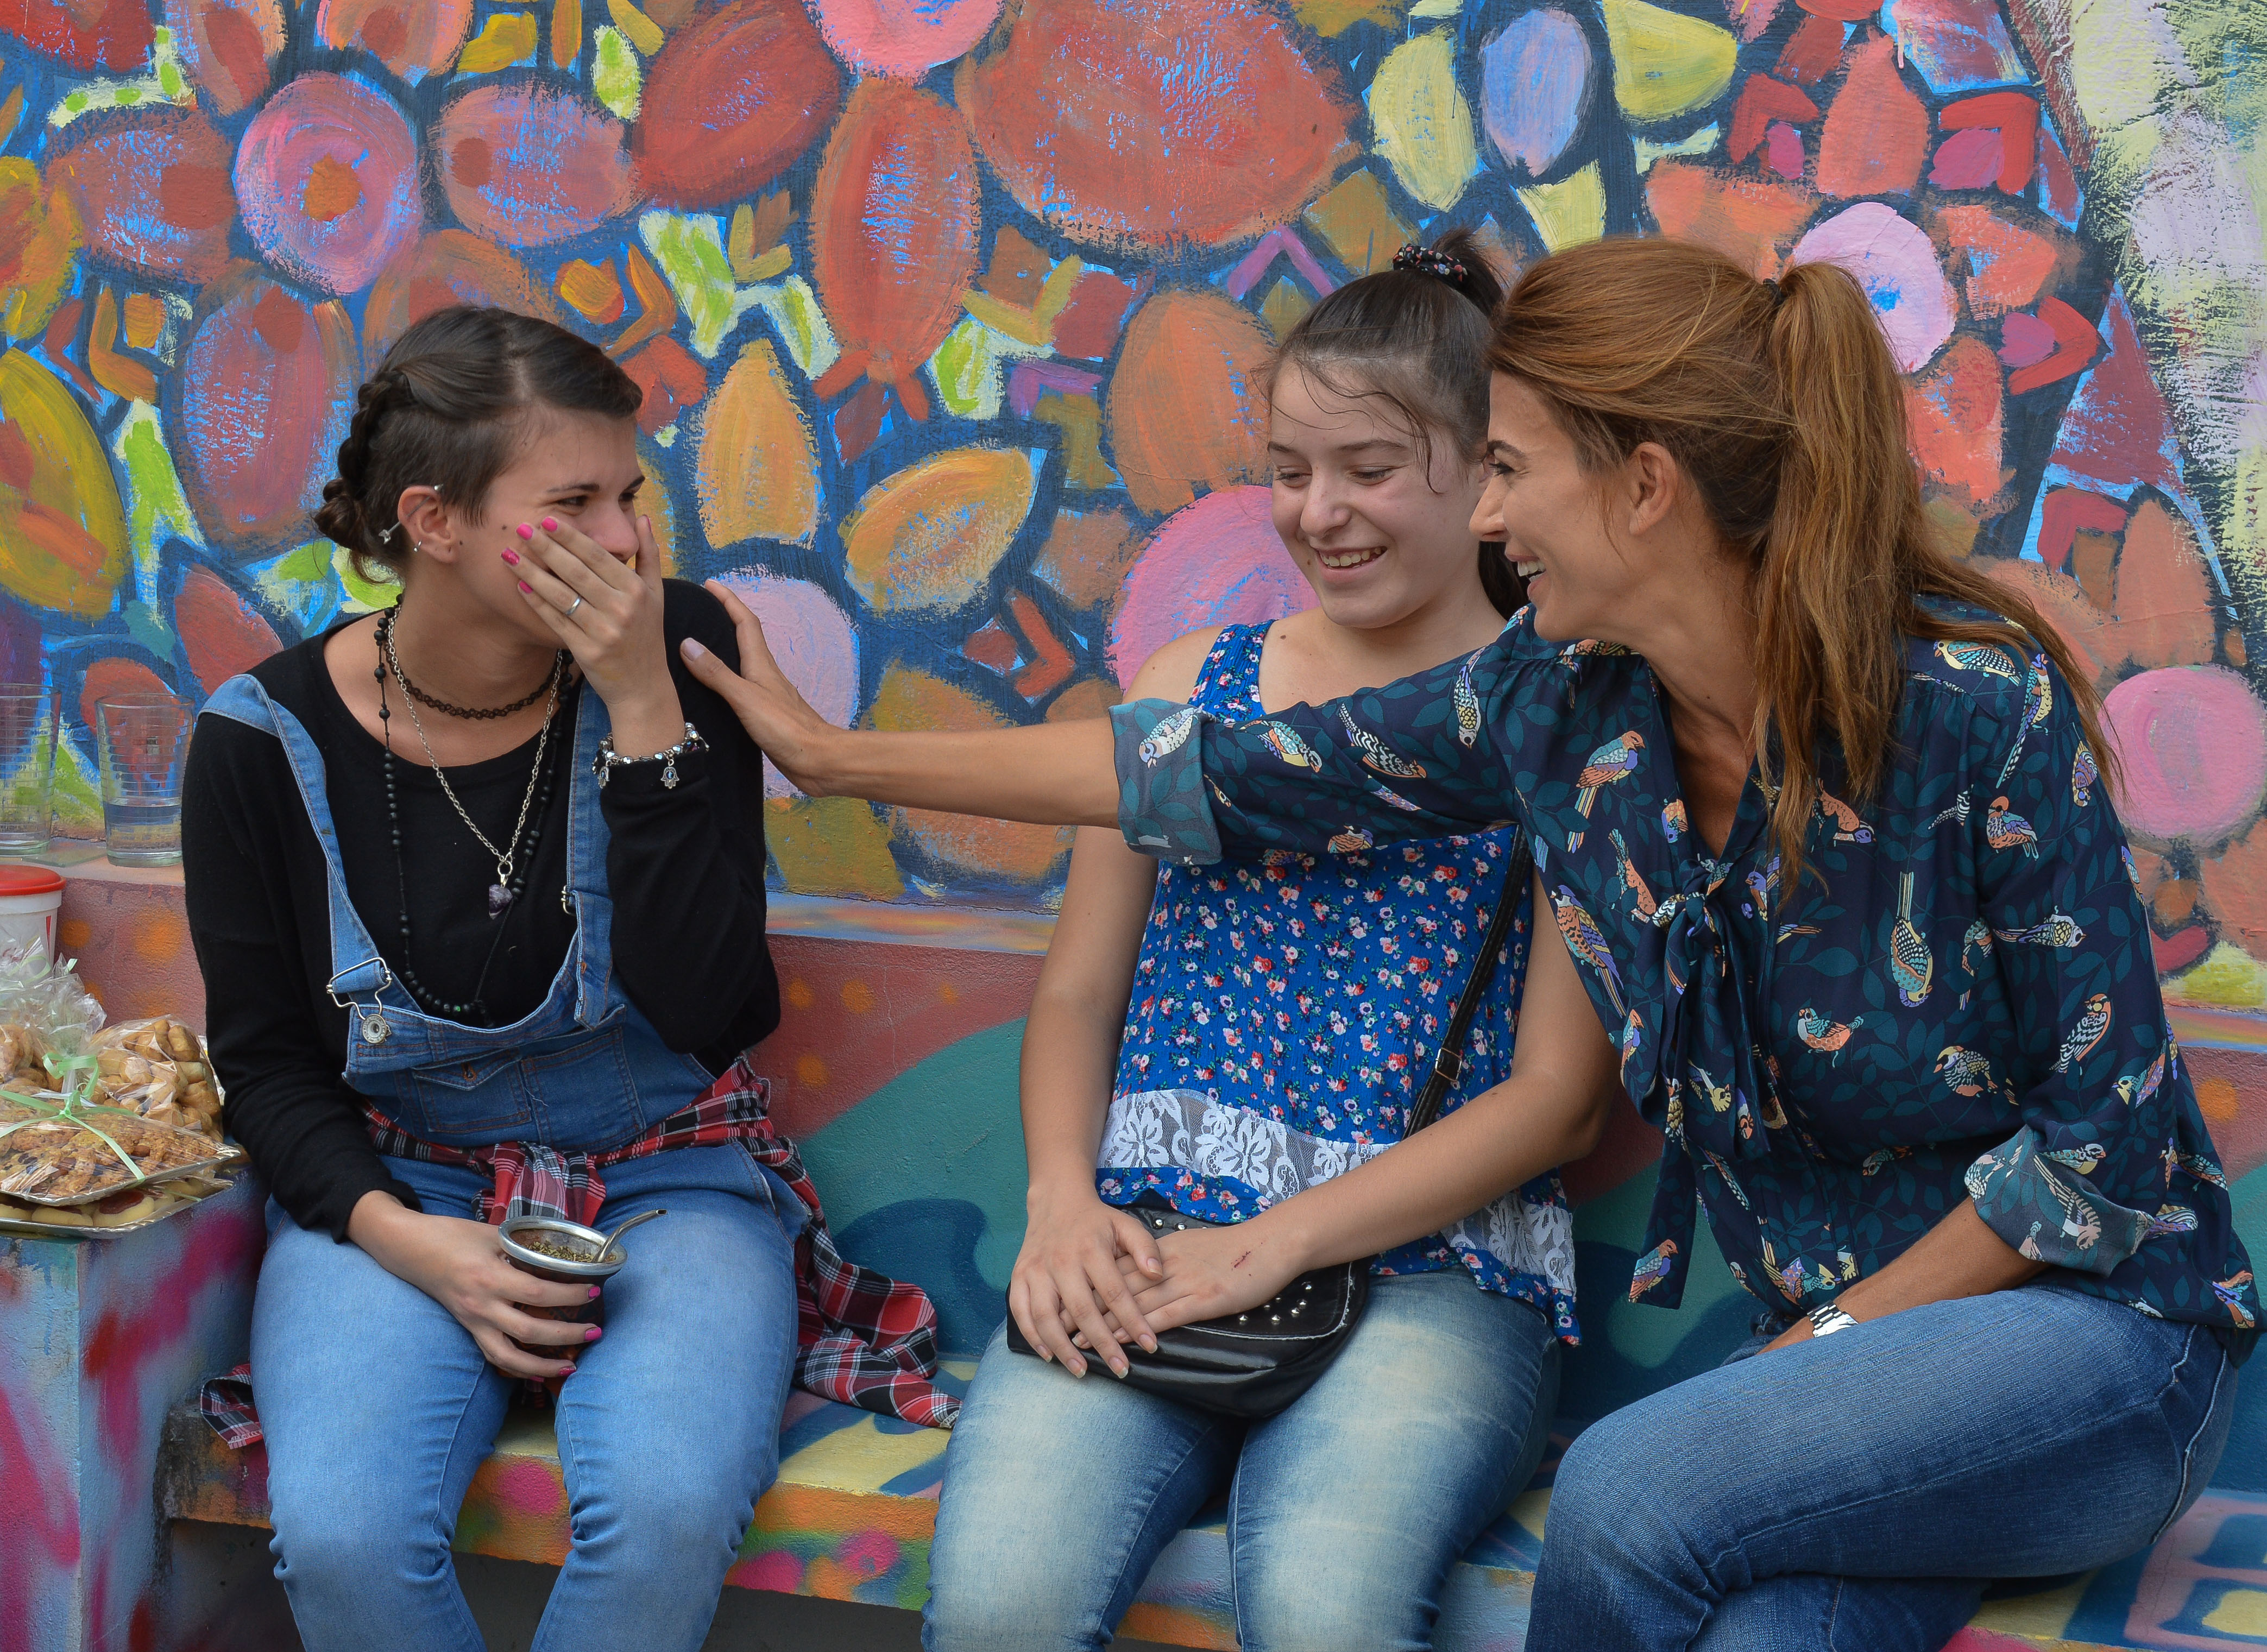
56, 1149
158, 1068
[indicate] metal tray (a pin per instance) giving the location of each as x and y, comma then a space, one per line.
14, 1227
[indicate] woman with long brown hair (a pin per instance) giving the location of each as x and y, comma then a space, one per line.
1826, 817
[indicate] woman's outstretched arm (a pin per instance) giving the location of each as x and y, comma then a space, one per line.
1054, 774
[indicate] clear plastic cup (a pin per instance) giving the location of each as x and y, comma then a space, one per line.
28, 768
145, 742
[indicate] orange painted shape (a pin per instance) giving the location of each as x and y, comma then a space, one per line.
39, 237
1813, 52
672, 379
1090, 115
566, 30
930, 536
1086, 554
121, 375
2165, 604
811, 1070
592, 290
1184, 409
1876, 132
2015, 116
447, 267
657, 304
1751, 221
1053, 666
414, 38
755, 473
909, 699
858, 997
731, 101
1956, 423
894, 218
2001, 265
111, 676
222, 634
990, 646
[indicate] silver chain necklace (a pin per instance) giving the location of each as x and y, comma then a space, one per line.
499, 892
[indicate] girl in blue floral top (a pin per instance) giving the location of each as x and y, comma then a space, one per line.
1245, 1042
1824, 815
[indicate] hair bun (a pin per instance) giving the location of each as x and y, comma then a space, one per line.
1424, 260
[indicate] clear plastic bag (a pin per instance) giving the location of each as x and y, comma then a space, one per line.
158, 1068
57, 1148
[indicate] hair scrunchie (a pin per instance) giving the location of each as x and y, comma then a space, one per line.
1424, 260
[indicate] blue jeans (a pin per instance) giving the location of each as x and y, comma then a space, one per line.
377, 1408
1346, 1512
1856, 1492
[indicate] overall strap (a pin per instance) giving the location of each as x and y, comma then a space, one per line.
1449, 1063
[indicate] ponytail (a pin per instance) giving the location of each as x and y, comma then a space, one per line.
1782, 404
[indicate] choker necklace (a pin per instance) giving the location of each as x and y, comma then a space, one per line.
390, 660
511, 878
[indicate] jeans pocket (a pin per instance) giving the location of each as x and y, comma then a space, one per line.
2208, 1436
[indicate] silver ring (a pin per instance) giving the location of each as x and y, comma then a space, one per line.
571, 607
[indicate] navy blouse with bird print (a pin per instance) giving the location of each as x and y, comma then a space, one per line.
1959, 1000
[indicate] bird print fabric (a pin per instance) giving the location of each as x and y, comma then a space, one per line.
1810, 1046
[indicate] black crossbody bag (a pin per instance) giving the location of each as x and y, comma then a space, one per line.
1253, 1364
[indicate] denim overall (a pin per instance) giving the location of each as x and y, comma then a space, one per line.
378, 1405
583, 1071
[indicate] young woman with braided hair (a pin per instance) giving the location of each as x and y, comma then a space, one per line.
477, 886
1826, 819
1294, 1006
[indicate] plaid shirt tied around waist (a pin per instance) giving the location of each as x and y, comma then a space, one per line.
863, 1338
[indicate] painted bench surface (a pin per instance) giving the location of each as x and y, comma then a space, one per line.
851, 1516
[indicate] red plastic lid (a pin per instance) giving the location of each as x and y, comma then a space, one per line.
29, 880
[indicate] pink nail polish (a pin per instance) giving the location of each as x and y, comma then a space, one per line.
550, 525
593, 1334
511, 556
594, 1293
526, 533
565, 1370
527, 589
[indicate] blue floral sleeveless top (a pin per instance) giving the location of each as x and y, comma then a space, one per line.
1285, 1011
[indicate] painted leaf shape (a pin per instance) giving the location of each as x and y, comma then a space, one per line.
447, 267
266, 385
1089, 112
756, 471
1422, 124
1218, 562
1897, 267
39, 247
326, 180
1535, 86
527, 165
115, 675
731, 100
905, 38
813, 643
930, 536
221, 632
86, 35
152, 190
413, 38
1666, 63
1185, 407
909, 699
228, 46
894, 218
62, 531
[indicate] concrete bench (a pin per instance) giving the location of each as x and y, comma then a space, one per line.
851, 1516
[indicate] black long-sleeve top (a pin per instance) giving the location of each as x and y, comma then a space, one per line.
685, 867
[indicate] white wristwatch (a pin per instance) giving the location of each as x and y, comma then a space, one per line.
1826, 1319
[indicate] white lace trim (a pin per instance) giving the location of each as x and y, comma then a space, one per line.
1183, 1129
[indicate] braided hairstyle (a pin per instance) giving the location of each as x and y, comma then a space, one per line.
448, 409
1415, 337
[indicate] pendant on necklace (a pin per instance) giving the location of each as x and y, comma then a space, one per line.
499, 897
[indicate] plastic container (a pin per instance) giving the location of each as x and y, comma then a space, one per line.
30, 896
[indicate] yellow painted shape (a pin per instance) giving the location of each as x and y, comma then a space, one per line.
2228, 976
2043, 1616
1420, 121
643, 31
508, 38
145, 319
908, 698
1532, 1509
1666, 63
43, 266
862, 1458
1333, 17
1283, 307
830, 846
63, 535
930, 536
756, 471
1359, 223
1569, 212
2240, 1611
593, 290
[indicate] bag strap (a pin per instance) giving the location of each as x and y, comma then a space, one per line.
1449, 1063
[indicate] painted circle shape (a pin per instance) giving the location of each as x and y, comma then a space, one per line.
1218, 561
2192, 740
326, 181
814, 643
1897, 264
904, 38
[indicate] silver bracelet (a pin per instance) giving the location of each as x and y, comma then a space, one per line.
609, 760
1826, 1319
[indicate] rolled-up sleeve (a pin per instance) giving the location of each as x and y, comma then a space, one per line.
2096, 1090
1418, 758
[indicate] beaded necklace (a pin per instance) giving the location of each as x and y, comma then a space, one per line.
513, 863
